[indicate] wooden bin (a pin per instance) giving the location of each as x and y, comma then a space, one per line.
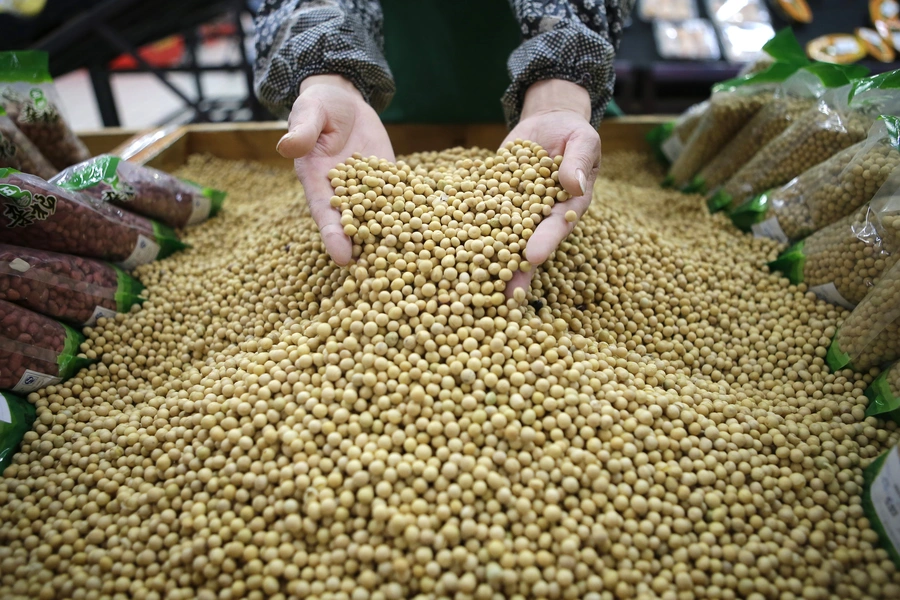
167, 149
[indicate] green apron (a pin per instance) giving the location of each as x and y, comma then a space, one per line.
449, 59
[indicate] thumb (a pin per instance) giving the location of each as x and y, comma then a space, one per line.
581, 161
304, 128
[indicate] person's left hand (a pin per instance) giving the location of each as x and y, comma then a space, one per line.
556, 114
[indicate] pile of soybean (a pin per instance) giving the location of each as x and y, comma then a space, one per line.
655, 420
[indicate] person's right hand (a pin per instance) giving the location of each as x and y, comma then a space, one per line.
329, 122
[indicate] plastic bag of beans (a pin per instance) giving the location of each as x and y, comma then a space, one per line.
881, 500
792, 98
69, 288
17, 151
827, 192
841, 118
37, 214
30, 99
16, 418
35, 351
732, 105
870, 336
884, 395
667, 140
146, 191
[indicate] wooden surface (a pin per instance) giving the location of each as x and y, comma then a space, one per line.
256, 141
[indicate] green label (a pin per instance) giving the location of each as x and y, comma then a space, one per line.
167, 239
751, 212
834, 76
791, 263
892, 125
882, 81
870, 473
16, 418
718, 201
836, 358
22, 207
881, 399
668, 182
99, 171
128, 290
696, 186
31, 66
68, 360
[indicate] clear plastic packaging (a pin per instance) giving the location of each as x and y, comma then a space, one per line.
35, 350
17, 152
870, 336
884, 395
31, 101
742, 42
840, 119
69, 288
144, 190
694, 39
667, 10
37, 214
667, 140
792, 98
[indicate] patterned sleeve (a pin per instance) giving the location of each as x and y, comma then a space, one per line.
299, 38
574, 40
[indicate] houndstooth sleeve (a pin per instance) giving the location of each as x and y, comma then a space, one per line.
574, 40
299, 38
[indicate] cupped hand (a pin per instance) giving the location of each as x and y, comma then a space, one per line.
556, 114
329, 122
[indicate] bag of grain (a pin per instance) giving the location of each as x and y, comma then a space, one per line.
17, 151
881, 500
732, 105
35, 350
30, 99
829, 191
841, 118
144, 190
667, 140
37, 214
870, 336
792, 98
16, 418
69, 288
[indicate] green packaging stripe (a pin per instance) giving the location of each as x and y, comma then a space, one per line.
6, 172
836, 358
29, 66
696, 186
2, 112
833, 76
718, 201
216, 199
167, 239
882, 81
22, 415
784, 46
68, 360
881, 400
128, 290
101, 169
869, 475
668, 182
791, 263
750, 212
657, 136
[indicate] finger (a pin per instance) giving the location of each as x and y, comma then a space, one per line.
304, 128
328, 219
581, 162
553, 229
521, 280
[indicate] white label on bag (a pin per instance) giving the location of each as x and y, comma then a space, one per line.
672, 147
19, 265
5, 414
885, 493
199, 210
145, 251
99, 311
770, 229
32, 381
829, 293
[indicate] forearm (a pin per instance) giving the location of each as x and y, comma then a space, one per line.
567, 41
298, 39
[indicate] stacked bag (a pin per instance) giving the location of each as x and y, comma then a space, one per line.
71, 226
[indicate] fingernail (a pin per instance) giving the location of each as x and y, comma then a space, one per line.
582, 181
283, 139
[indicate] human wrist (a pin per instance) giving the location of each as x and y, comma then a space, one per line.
551, 95
337, 81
